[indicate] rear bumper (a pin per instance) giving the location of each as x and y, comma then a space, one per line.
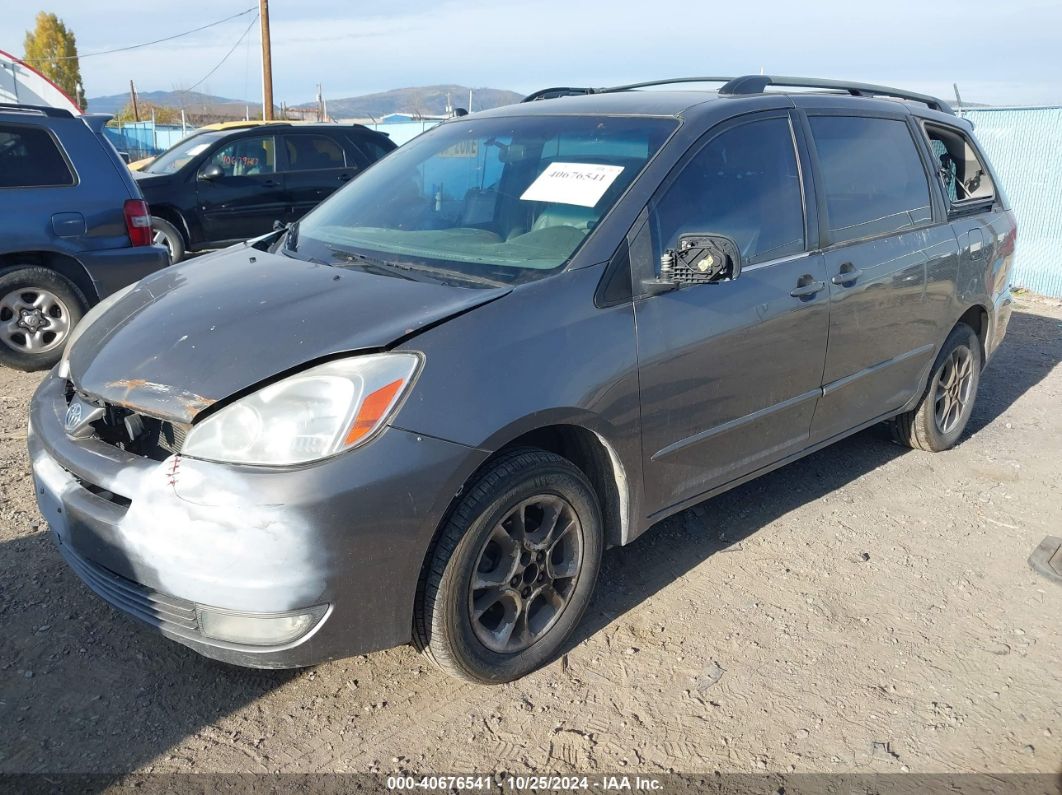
163, 540
113, 269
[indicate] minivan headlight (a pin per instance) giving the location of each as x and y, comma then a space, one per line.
307, 416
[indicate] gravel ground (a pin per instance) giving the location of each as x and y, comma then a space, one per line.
866, 609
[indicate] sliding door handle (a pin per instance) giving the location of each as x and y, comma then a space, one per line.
849, 273
808, 290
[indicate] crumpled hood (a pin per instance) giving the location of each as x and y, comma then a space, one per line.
196, 333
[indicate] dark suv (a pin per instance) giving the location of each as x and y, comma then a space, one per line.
220, 187
527, 335
73, 229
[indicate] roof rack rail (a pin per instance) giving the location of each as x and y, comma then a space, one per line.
570, 91
666, 82
558, 91
47, 110
755, 84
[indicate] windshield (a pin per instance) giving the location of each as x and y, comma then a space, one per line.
505, 199
174, 158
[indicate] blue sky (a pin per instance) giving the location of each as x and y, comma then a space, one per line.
1002, 52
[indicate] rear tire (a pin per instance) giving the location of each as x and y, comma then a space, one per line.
169, 237
940, 417
38, 310
513, 570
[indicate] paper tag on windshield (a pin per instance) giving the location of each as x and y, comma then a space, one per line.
572, 183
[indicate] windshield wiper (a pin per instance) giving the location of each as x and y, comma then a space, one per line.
372, 265
405, 270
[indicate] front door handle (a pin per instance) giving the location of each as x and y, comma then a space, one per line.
269, 183
807, 289
849, 273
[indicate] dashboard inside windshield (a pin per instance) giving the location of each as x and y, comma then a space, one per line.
506, 198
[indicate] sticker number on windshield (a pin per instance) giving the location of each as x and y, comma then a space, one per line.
572, 183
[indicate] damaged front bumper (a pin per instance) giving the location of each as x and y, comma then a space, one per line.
264, 567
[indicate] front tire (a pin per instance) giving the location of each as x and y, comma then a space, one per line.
38, 310
513, 570
169, 237
940, 418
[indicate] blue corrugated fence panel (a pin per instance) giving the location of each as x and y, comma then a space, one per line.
1024, 145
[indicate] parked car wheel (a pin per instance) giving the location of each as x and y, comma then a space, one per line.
38, 310
169, 237
940, 418
513, 570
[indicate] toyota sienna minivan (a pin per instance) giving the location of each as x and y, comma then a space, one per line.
421, 414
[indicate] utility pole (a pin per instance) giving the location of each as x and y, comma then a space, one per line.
132, 97
267, 62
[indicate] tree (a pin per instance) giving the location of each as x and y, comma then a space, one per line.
51, 49
164, 114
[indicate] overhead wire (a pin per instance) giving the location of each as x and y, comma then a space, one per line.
146, 43
225, 58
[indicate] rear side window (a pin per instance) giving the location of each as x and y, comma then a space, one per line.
309, 152
30, 158
372, 147
744, 184
872, 176
963, 177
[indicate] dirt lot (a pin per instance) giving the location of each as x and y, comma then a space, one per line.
866, 609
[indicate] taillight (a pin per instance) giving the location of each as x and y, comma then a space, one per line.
1009, 242
138, 222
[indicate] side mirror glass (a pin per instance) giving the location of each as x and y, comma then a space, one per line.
211, 172
701, 259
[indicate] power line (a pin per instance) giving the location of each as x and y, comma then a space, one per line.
230, 52
147, 43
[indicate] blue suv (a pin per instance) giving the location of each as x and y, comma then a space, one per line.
74, 228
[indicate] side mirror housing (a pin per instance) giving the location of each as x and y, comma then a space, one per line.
211, 172
702, 259
699, 259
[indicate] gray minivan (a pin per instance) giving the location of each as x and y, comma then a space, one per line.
421, 414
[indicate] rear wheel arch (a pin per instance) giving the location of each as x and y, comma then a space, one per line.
976, 317
174, 216
66, 266
39, 308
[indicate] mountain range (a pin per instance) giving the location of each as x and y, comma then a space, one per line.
426, 100
175, 99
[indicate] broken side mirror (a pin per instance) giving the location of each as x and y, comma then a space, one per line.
699, 259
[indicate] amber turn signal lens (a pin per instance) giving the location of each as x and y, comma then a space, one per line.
373, 409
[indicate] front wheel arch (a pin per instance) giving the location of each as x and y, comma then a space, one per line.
441, 626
